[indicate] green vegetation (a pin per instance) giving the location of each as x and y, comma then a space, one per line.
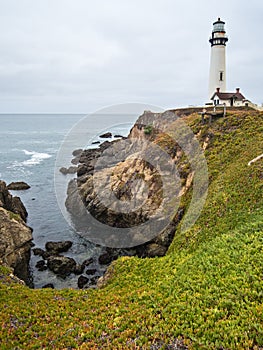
148, 129
14, 216
207, 291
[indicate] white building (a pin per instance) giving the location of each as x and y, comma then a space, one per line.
230, 99
217, 75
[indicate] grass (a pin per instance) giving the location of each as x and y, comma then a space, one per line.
207, 291
14, 216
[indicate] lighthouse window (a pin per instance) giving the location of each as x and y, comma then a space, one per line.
219, 27
221, 76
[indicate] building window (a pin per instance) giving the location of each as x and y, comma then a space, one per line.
221, 76
219, 27
216, 102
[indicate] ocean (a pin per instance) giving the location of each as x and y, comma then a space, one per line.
29, 145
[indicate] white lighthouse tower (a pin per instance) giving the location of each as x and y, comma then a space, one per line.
217, 76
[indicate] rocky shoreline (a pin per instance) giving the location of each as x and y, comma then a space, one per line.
81, 189
82, 196
15, 235
89, 271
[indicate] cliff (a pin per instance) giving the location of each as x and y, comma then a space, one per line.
133, 186
15, 235
205, 293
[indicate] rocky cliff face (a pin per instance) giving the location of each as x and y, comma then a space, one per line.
137, 173
15, 235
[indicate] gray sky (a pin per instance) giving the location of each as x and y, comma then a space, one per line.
77, 56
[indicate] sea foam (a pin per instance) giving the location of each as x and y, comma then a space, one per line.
36, 157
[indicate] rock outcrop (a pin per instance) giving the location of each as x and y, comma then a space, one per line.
61, 265
58, 247
106, 135
11, 203
131, 179
70, 170
15, 235
18, 186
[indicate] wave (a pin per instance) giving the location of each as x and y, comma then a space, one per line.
36, 157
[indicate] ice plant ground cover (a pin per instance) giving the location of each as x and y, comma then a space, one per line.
206, 293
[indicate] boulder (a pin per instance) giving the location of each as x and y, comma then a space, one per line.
77, 152
75, 161
82, 169
61, 265
107, 135
91, 271
49, 285
105, 258
70, 170
41, 252
82, 280
153, 250
79, 269
41, 265
18, 186
87, 262
58, 247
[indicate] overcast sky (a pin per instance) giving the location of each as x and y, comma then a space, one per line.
79, 56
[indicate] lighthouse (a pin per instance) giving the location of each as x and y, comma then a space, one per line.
217, 75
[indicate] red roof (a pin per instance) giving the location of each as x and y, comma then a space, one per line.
228, 95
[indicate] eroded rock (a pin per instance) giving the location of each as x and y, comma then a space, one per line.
58, 247
15, 244
61, 265
18, 186
79, 269
105, 258
41, 252
10, 203
41, 265
77, 152
70, 170
82, 281
107, 135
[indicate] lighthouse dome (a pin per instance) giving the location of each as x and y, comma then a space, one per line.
219, 26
